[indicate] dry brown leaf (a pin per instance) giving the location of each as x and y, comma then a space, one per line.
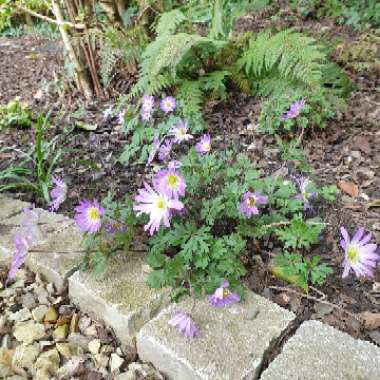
370, 320
363, 143
349, 187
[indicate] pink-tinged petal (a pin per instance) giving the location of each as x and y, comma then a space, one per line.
177, 205
343, 244
219, 293
225, 284
367, 238
233, 297
345, 235
176, 319
346, 269
367, 249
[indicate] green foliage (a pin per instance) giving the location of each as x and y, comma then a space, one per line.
143, 135
204, 246
34, 171
291, 54
15, 114
301, 271
9, 13
290, 151
106, 243
300, 234
322, 103
360, 14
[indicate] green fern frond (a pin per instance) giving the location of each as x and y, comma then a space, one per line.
292, 54
240, 79
169, 21
214, 83
190, 97
151, 86
273, 84
167, 52
108, 60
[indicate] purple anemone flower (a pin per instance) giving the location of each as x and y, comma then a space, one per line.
170, 182
248, 205
24, 240
185, 324
148, 103
153, 152
88, 216
120, 117
174, 164
107, 113
223, 296
294, 110
146, 115
179, 131
359, 256
165, 150
22, 246
203, 146
168, 104
157, 205
304, 195
58, 193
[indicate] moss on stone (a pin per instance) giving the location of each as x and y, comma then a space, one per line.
129, 296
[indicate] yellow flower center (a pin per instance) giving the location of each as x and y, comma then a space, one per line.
93, 213
226, 292
206, 147
161, 204
251, 202
304, 195
172, 180
353, 254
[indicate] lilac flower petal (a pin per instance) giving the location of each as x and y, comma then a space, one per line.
185, 324
223, 296
88, 216
358, 235
360, 256
158, 205
248, 205
168, 104
204, 144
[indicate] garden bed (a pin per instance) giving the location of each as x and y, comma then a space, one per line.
347, 150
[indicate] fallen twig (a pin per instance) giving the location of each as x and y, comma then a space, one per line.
320, 300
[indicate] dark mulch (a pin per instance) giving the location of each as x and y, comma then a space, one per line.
347, 150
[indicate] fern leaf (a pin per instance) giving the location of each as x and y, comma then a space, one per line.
167, 52
169, 22
214, 83
292, 54
190, 97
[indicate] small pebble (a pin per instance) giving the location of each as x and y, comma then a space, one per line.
94, 346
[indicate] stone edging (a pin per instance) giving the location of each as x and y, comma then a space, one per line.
234, 340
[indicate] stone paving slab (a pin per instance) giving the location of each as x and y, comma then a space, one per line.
231, 346
49, 223
320, 352
57, 255
121, 297
10, 207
